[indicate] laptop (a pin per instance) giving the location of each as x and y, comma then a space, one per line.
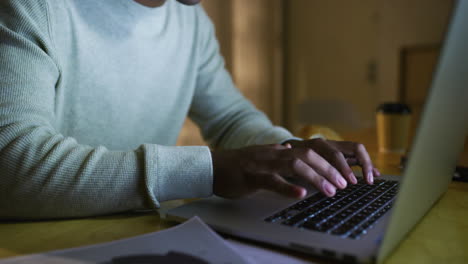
363, 223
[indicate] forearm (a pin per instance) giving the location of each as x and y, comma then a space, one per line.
242, 125
45, 175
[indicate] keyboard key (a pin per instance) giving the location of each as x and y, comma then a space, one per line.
350, 213
297, 218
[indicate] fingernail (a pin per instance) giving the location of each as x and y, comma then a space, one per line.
329, 188
303, 193
370, 178
342, 182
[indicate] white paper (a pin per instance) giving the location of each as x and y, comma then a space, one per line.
192, 239
262, 255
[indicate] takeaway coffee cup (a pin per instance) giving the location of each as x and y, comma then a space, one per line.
393, 127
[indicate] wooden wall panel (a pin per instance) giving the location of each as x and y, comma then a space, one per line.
331, 52
250, 34
258, 53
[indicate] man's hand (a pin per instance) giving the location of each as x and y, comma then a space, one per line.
342, 155
323, 163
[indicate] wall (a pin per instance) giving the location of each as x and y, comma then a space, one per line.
331, 45
346, 53
407, 23
322, 62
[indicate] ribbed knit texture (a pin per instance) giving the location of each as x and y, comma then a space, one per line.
93, 95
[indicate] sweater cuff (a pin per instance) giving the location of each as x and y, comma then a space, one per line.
179, 173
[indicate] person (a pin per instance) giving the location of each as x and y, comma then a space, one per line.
94, 93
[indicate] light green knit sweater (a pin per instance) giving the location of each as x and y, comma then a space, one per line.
93, 94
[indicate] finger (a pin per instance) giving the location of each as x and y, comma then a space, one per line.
305, 172
339, 161
376, 172
346, 158
278, 184
324, 167
357, 154
335, 155
365, 163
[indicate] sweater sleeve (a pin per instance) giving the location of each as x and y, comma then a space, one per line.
225, 117
44, 174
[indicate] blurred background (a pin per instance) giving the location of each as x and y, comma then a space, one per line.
328, 62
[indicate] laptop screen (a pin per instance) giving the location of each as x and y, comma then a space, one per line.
440, 136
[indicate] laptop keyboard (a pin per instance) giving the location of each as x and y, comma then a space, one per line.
350, 213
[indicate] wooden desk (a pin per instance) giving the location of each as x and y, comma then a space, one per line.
441, 237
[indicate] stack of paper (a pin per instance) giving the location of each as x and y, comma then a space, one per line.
191, 242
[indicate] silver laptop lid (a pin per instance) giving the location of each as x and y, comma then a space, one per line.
440, 136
